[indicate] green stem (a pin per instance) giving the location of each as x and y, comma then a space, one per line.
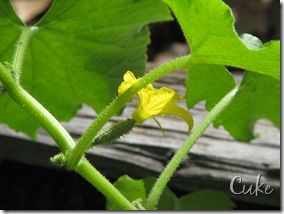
86, 170
168, 172
118, 103
36, 110
20, 51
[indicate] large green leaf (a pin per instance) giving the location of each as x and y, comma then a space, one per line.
257, 98
208, 28
78, 54
138, 190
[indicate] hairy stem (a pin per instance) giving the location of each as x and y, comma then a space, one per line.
21, 47
86, 170
168, 172
118, 103
36, 110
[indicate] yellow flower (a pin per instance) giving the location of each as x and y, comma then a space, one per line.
129, 80
154, 102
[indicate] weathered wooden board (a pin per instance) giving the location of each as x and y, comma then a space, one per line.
212, 163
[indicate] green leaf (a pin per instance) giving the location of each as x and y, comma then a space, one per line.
257, 98
205, 200
208, 28
78, 54
207, 82
134, 190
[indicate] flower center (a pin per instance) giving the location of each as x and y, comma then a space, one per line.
140, 115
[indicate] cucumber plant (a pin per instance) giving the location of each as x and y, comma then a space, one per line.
78, 53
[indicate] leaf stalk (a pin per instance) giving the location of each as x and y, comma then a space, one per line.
36, 110
21, 47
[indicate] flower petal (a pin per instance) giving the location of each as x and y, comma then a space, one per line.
182, 113
128, 76
160, 100
145, 95
139, 115
129, 80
